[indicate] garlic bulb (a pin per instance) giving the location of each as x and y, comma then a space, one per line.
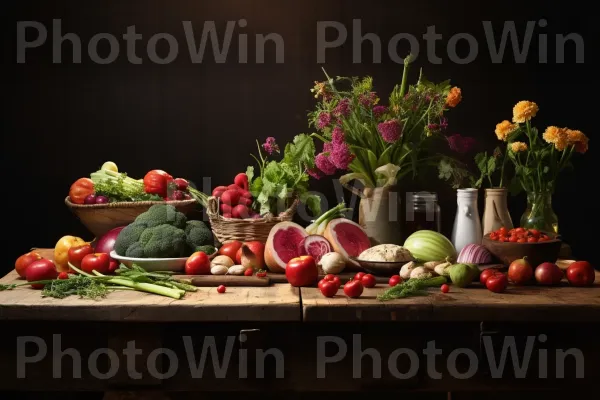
332, 263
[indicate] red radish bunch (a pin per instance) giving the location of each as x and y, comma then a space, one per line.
235, 200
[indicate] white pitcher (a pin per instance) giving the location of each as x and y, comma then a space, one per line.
467, 224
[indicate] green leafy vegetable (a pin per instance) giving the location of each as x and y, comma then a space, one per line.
119, 187
411, 287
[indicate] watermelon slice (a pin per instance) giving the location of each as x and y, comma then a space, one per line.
315, 246
347, 237
283, 244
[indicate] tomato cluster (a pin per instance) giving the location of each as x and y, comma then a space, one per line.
519, 235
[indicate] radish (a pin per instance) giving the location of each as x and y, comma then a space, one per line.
240, 211
245, 201
234, 187
230, 197
218, 191
245, 193
241, 180
225, 208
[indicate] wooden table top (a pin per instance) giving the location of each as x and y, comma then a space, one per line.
281, 302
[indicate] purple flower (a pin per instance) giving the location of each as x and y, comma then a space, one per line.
341, 157
378, 111
433, 127
443, 123
327, 147
367, 100
324, 164
270, 146
390, 130
343, 108
324, 120
315, 173
337, 136
460, 144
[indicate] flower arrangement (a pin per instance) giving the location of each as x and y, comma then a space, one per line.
380, 144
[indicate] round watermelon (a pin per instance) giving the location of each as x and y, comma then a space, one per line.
430, 246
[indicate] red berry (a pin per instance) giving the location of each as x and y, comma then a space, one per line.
221, 289
445, 288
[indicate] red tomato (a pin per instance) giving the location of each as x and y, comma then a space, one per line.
445, 288
520, 272
520, 230
543, 239
486, 273
79, 190
302, 271
113, 266
497, 283
503, 231
580, 273
197, 264
63, 275
75, 254
535, 232
230, 250
221, 289
359, 276
261, 273
493, 236
328, 288
238, 257
353, 288
368, 281
522, 240
532, 239
25, 261
248, 272
513, 239
156, 182
40, 270
96, 262
333, 278
394, 280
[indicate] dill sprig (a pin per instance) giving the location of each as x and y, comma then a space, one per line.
411, 287
78, 285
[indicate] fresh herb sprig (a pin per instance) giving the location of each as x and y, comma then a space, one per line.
411, 287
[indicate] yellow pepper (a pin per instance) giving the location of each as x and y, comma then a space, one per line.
61, 251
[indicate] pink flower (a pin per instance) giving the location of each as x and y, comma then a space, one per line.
315, 173
324, 164
378, 111
327, 147
337, 136
343, 108
324, 120
367, 100
270, 146
460, 144
390, 130
341, 157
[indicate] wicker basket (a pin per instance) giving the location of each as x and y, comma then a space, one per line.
100, 218
244, 229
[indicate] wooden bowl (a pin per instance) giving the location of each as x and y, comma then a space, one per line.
536, 253
101, 218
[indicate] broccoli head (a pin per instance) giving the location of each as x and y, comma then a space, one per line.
208, 249
160, 214
135, 251
198, 234
163, 241
128, 236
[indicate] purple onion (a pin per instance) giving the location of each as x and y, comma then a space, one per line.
101, 200
90, 199
474, 254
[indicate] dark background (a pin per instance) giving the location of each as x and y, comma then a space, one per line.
62, 121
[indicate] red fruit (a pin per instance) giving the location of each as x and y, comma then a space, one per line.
25, 261
113, 266
394, 280
181, 184
221, 289
261, 273
445, 288
249, 272
314, 245
241, 180
77, 253
227, 215
240, 211
359, 276
218, 191
245, 193
40, 270
245, 201
253, 255
282, 245
329, 288
96, 262
63, 275
368, 281
548, 274
235, 187
581, 273
302, 271
353, 288
497, 283
486, 273
238, 257
333, 278
520, 272
197, 264
230, 249
230, 197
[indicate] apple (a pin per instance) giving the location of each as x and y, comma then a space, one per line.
41, 270
76, 254
548, 274
96, 262
302, 271
25, 261
520, 272
253, 255
197, 264
581, 273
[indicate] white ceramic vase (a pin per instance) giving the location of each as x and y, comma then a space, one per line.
467, 223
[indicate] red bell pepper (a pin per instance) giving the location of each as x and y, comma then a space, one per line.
157, 182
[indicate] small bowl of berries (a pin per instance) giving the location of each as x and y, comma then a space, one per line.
508, 245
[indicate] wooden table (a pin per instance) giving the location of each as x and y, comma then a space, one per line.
293, 320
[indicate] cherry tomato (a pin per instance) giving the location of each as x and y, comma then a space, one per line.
359, 276
328, 288
535, 232
261, 273
493, 236
522, 240
249, 272
197, 264
63, 275
513, 239
520, 230
221, 289
368, 281
532, 239
333, 278
503, 231
394, 280
353, 289
543, 239
445, 288
497, 283
501, 239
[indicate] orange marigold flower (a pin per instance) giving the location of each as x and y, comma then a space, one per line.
517, 147
504, 129
577, 139
551, 134
454, 97
524, 111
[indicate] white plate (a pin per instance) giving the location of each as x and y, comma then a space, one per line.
153, 264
